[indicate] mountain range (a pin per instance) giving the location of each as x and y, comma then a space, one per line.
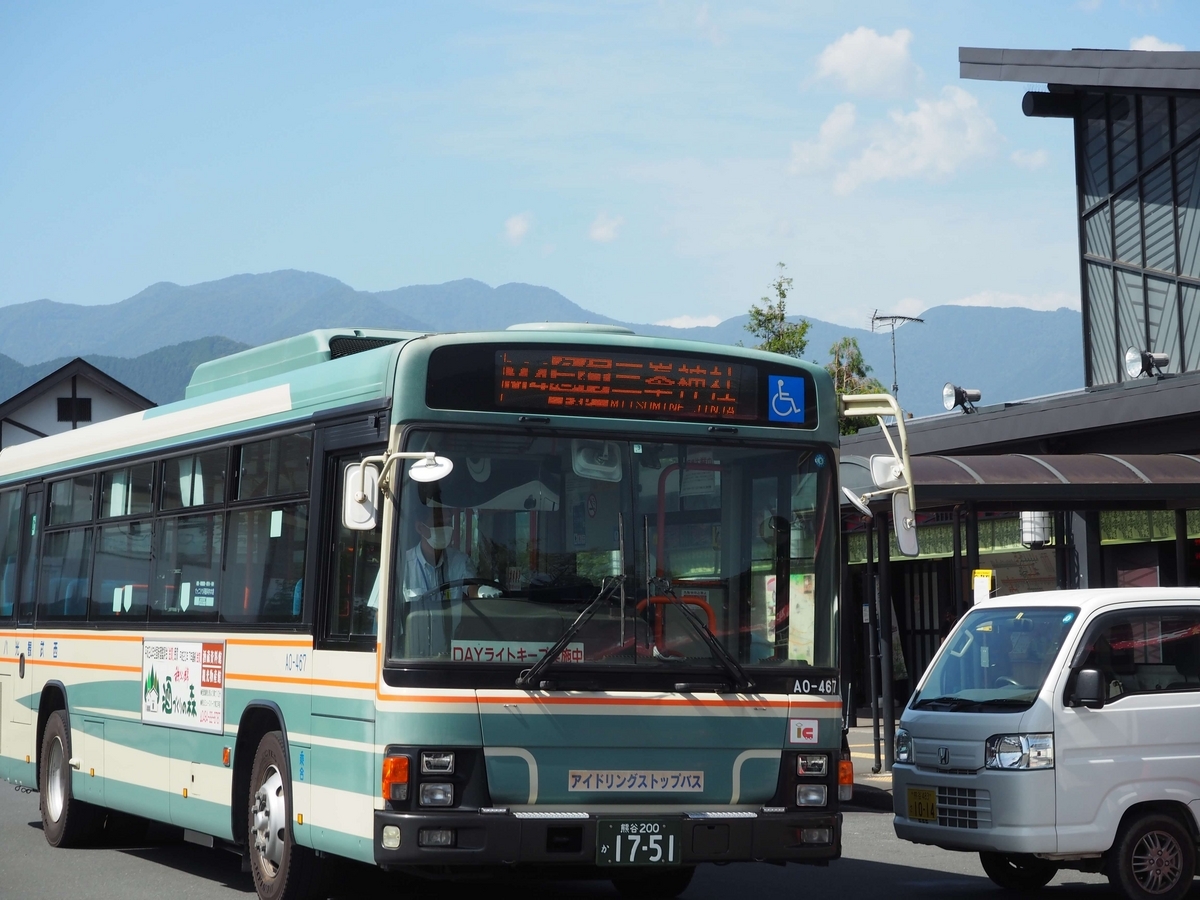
153, 340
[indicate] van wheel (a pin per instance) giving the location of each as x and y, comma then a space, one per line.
660, 884
1154, 858
66, 822
282, 869
1018, 871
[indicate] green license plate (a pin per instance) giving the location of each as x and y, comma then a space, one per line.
638, 842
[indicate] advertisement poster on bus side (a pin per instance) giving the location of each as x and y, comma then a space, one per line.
183, 685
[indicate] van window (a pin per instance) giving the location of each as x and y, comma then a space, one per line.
1140, 652
996, 659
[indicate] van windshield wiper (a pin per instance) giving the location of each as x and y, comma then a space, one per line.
607, 588
741, 681
952, 703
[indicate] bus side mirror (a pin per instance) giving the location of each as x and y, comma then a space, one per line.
360, 497
1090, 689
905, 524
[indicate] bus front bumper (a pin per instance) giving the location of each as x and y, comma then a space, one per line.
472, 838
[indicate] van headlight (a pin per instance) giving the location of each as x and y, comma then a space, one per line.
1019, 751
903, 746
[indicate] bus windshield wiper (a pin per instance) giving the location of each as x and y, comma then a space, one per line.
741, 681
607, 589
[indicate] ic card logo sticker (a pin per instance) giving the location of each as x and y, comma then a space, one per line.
787, 398
802, 731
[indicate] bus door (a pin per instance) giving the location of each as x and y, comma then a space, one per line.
341, 768
20, 700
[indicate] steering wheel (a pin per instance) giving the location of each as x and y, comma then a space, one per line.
1006, 681
457, 583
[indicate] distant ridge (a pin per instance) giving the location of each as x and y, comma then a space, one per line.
154, 339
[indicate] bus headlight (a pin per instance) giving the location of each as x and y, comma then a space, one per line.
1019, 751
903, 746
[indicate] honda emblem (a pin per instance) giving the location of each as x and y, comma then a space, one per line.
944, 756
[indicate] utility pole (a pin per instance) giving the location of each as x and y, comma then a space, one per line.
891, 321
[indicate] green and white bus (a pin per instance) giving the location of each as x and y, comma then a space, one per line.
553, 599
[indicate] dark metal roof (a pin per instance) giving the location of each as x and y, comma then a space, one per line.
1169, 70
1144, 414
1026, 481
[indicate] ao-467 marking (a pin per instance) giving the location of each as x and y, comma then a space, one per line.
815, 686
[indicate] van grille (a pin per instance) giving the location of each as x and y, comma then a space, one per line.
964, 808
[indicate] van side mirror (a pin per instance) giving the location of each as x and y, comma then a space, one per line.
1090, 689
360, 497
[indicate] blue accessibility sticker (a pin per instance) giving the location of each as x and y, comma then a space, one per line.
787, 398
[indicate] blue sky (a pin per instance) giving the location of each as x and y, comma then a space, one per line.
651, 161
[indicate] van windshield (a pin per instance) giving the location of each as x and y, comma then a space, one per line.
997, 659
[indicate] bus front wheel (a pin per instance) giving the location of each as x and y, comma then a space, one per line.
66, 822
282, 870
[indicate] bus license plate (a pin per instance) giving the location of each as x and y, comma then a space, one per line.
638, 842
922, 804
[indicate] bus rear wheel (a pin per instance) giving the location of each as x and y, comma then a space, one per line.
66, 822
282, 869
666, 884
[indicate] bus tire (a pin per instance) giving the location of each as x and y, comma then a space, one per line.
282, 869
1017, 871
66, 822
1153, 858
669, 883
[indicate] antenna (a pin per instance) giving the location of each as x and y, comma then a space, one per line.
891, 321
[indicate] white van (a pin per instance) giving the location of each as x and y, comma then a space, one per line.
1061, 730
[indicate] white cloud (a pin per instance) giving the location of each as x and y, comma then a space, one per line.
835, 133
691, 322
866, 62
1150, 42
1029, 159
932, 141
516, 227
604, 228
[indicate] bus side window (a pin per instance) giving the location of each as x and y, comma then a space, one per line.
354, 570
187, 560
10, 550
264, 564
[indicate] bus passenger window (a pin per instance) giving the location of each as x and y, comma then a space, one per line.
196, 480
188, 564
65, 582
122, 572
275, 467
264, 564
71, 500
127, 492
10, 550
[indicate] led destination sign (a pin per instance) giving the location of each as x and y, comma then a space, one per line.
625, 384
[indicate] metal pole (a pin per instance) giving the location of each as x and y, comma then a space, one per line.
873, 642
846, 628
886, 669
1181, 548
972, 550
956, 521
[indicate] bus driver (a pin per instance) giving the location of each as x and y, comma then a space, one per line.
434, 573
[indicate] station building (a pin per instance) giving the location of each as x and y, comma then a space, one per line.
1105, 479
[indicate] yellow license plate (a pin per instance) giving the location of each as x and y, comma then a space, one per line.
922, 804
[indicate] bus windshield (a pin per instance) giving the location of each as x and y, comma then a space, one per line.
497, 560
997, 659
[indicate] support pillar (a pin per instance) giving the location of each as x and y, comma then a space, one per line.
886, 670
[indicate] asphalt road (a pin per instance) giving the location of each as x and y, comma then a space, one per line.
875, 865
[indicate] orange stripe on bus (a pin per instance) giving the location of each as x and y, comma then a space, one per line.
103, 667
288, 679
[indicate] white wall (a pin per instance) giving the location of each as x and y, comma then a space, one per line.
41, 413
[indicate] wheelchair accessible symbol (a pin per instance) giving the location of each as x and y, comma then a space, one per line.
787, 398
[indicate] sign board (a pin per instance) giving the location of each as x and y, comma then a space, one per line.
183, 685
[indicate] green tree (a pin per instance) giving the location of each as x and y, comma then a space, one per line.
769, 323
851, 375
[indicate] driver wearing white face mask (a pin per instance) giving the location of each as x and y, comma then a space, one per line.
433, 576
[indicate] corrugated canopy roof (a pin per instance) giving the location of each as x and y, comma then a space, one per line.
1022, 481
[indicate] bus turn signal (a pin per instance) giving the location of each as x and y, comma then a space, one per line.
395, 778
